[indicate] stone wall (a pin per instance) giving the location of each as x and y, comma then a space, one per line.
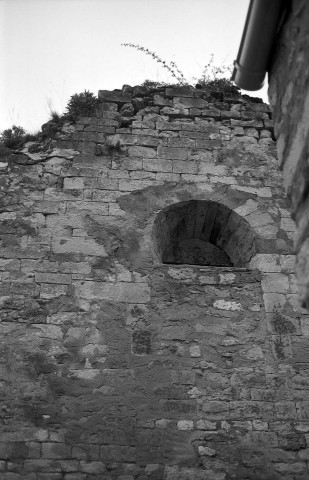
115, 365
289, 97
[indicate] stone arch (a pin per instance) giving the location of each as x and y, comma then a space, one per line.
202, 232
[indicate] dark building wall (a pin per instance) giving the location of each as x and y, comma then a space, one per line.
115, 365
289, 97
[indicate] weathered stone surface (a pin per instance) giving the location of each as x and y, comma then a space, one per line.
115, 96
119, 292
290, 101
78, 245
117, 365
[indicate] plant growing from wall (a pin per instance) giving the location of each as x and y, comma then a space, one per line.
16, 137
216, 76
171, 67
81, 104
12, 137
56, 117
212, 75
115, 144
153, 85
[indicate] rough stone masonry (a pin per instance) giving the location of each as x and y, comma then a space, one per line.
289, 96
150, 325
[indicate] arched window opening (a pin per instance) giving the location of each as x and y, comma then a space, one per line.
201, 232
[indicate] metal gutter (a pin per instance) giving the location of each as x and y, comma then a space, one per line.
262, 22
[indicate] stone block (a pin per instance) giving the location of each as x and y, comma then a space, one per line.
56, 450
260, 425
195, 351
167, 177
280, 455
229, 114
206, 158
257, 219
161, 101
115, 96
251, 410
175, 332
72, 183
93, 468
122, 453
180, 142
206, 425
267, 231
280, 324
215, 408
304, 454
87, 207
59, 278
222, 304
185, 425
181, 91
10, 451
75, 476
120, 292
163, 423
141, 342
52, 291
78, 267
188, 473
144, 152
288, 225
218, 171
275, 283
304, 324
189, 102
128, 164
285, 410
86, 246
300, 346
206, 451
291, 468
157, 165
130, 186
90, 452
49, 207
260, 439
163, 124
274, 301
49, 476
268, 262
185, 167
191, 135
173, 153
103, 183
211, 113
178, 407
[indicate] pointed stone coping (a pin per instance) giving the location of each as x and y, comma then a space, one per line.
206, 221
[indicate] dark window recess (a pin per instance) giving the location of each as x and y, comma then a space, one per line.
195, 252
202, 233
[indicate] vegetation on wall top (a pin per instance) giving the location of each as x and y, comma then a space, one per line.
211, 76
86, 103
80, 104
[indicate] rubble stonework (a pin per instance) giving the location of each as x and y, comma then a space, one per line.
117, 366
289, 96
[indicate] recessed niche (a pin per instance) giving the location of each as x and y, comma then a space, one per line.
201, 232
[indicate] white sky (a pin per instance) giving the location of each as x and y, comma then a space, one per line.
51, 49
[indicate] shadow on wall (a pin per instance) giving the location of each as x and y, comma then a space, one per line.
202, 232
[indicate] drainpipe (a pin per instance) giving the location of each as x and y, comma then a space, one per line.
262, 22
